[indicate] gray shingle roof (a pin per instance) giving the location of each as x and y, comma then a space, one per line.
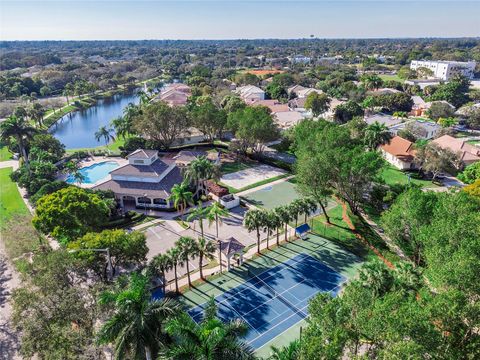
231, 246
142, 154
154, 170
161, 189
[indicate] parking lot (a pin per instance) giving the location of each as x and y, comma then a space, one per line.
162, 237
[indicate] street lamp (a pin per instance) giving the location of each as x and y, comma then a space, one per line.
109, 259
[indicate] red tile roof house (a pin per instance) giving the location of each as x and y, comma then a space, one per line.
399, 152
469, 154
174, 94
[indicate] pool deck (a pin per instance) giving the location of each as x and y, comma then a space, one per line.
92, 161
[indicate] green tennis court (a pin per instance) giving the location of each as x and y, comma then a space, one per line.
275, 195
297, 271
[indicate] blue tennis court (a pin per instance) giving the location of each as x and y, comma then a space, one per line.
276, 299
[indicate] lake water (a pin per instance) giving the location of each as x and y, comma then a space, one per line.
77, 130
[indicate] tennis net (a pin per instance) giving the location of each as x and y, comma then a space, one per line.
276, 294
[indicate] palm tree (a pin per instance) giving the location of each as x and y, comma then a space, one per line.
175, 260
121, 126
289, 352
295, 209
20, 130
188, 251
211, 339
276, 223
36, 113
181, 197
376, 276
73, 169
105, 134
308, 205
198, 213
144, 99
283, 212
160, 264
376, 134
254, 220
215, 212
130, 112
205, 250
199, 171
137, 324
269, 224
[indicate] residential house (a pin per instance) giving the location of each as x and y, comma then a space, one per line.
385, 91
468, 153
174, 94
425, 130
419, 106
287, 119
386, 120
399, 152
250, 93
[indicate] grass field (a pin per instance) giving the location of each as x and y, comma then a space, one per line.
112, 147
5, 154
11, 202
393, 176
233, 190
386, 77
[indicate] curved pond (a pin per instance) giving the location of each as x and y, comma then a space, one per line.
77, 130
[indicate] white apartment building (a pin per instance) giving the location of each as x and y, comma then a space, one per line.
444, 70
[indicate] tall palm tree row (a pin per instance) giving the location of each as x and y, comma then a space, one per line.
185, 249
256, 220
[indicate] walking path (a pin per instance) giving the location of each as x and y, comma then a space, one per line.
347, 219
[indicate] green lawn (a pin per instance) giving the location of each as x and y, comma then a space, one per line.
386, 77
11, 202
112, 147
5, 154
393, 176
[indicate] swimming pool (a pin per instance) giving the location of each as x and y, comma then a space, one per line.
94, 173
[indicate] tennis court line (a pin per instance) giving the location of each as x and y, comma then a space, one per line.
236, 312
270, 329
281, 264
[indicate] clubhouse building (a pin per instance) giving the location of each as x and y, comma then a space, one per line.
145, 182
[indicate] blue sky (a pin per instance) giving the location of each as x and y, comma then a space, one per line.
233, 19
